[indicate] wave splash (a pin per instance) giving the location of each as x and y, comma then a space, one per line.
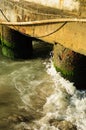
65, 102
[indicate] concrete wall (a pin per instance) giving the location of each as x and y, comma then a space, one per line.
71, 5
71, 36
60, 4
22, 11
19, 10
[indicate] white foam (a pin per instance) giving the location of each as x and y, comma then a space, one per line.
65, 103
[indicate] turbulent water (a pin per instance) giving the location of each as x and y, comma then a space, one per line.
32, 93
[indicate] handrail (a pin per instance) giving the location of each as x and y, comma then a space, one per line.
41, 22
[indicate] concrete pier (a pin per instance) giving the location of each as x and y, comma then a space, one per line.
62, 24
72, 65
15, 45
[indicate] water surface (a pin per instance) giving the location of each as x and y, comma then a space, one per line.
32, 93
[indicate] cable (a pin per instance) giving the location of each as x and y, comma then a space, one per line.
40, 36
4, 16
53, 31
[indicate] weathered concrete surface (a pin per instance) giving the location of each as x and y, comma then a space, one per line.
72, 65
60, 4
27, 11
72, 35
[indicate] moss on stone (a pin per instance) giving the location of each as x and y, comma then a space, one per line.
8, 52
8, 44
0, 39
65, 73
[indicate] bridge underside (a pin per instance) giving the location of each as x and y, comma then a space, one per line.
70, 34
58, 27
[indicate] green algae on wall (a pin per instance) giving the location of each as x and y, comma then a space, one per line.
65, 73
8, 52
72, 65
15, 44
